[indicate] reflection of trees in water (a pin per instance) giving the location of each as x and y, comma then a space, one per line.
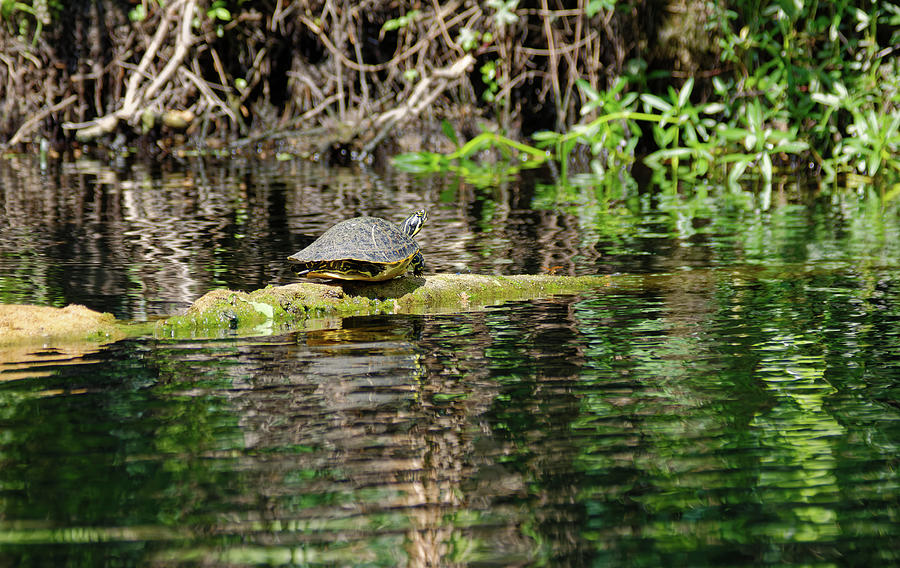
392, 428
140, 242
373, 458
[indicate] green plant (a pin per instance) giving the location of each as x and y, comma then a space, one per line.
504, 12
489, 78
21, 14
514, 157
683, 130
594, 6
139, 12
820, 68
611, 137
401, 22
759, 140
865, 125
469, 39
807, 81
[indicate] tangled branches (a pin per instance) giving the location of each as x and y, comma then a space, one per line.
360, 71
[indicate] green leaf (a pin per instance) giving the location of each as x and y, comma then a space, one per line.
791, 8
828, 100
594, 6
734, 133
586, 88
545, 135
468, 39
418, 162
737, 171
684, 95
732, 157
137, 14
505, 11
655, 102
656, 159
794, 147
766, 167
400, 22
449, 132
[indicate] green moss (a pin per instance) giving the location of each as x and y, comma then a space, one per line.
293, 305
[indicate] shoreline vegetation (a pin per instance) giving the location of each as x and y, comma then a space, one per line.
281, 308
736, 92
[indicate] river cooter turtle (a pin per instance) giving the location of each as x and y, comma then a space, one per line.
364, 248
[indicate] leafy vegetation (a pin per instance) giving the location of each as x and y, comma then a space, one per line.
807, 85
739, 92
29, 17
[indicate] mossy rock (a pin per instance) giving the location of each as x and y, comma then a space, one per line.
305, 304
43, 323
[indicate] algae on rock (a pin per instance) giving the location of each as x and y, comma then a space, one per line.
18, 322
291, 305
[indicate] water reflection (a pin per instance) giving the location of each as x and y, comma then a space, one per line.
142, 241
696, 419
732, 403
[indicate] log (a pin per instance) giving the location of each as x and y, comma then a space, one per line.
302, 305
319, 304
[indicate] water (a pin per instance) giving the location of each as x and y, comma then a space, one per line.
733, 402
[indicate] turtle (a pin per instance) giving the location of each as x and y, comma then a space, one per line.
364, 248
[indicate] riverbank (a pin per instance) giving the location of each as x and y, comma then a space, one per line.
334, 80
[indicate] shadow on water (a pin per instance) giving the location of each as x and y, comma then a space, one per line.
736, 406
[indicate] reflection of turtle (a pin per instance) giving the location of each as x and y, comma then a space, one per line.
363, 248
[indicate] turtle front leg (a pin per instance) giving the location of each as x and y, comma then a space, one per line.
417, 264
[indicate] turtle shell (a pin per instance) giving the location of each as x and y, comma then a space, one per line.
362, 248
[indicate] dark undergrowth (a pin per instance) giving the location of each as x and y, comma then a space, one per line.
357, 75
691, 88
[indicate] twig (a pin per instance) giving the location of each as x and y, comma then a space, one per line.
512, 83
29, 124
134, 99
181, 47
363, 84
440, 18
135, 80
318, 108
211, 97
425, 41
217, 64
554, 62
420, 98
308, 81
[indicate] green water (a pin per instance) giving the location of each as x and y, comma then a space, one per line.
735, 402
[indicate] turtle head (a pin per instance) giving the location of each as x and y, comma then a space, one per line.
414, 223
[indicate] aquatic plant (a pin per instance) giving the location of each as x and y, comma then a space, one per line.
805, 84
